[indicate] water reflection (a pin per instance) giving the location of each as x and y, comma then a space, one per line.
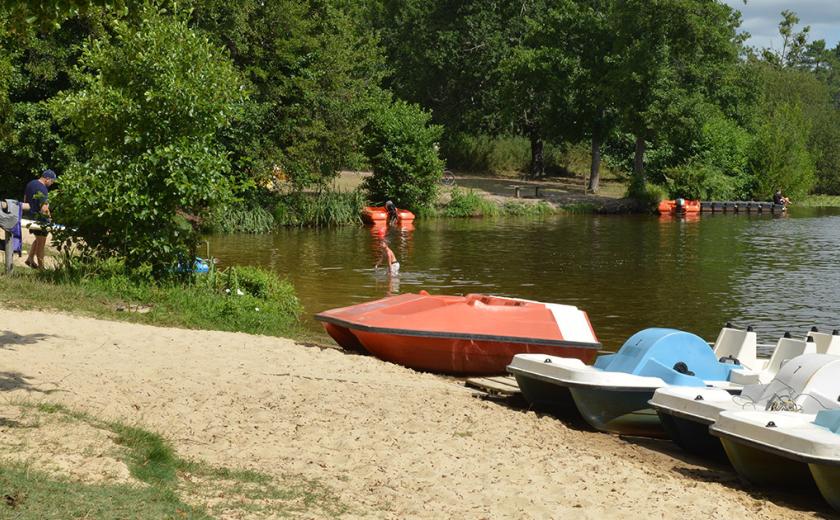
627, 272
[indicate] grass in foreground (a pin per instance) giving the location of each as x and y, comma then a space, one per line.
167, 486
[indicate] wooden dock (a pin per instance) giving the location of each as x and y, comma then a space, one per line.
502, 386
741, 206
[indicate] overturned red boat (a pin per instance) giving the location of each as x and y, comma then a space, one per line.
472, 334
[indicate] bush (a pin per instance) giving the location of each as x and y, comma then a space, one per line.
403, 156
469, 204
149, 108
648, 196
696, 180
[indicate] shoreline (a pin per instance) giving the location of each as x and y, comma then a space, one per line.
388, 441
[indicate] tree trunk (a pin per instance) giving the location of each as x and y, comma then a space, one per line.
537, 158
595, 168
639, 162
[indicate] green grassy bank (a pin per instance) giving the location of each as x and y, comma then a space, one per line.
238, 299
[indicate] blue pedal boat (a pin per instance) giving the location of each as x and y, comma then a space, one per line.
613, 395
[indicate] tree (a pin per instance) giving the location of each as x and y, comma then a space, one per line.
539, 74
660, 80
780, 156
315, 73
794, 44
150, 104
40, 61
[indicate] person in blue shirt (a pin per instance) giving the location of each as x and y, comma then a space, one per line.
37, 196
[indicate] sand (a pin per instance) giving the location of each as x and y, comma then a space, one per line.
388, 441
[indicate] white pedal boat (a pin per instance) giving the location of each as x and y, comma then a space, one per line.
808, 383
784, 449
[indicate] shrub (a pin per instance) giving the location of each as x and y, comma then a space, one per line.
469, 204
149, 107
647, 196
402, 153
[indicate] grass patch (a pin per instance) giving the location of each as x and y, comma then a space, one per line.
320, 209
35, 495
522, 209
173, 487
239, 299
468, 203
819, 201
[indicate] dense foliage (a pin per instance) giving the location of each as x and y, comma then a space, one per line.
401, 147
149, 107
156, 114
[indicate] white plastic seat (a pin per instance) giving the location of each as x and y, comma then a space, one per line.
786, 349
826, 343
738, 344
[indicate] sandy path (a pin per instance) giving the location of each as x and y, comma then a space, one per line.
391, 442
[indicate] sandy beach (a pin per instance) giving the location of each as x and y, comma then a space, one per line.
388, 441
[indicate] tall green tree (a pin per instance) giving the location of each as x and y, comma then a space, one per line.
668, 57
148, 108
315, 73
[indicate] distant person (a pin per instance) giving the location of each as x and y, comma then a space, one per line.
37, 196
391, 208
390, 258
778, 198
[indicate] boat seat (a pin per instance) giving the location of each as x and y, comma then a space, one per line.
738, 344
786, 349
826, 343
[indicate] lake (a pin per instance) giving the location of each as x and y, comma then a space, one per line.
777, 273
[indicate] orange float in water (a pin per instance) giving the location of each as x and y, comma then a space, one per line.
472, 334
679, 206
374, 214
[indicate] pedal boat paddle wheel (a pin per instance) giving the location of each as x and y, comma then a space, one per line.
473, 334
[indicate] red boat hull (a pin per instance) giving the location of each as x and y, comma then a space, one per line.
459, 356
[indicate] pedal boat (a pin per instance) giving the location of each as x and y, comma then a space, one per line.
809, 383
472, 334
784, 449
374, 214
613, 395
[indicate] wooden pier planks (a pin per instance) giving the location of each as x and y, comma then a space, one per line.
497, 385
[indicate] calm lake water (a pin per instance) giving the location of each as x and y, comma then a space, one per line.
628, 272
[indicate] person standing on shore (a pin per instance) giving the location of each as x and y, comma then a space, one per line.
37, 196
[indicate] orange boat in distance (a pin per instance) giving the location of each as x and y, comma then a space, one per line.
374, 214
679, 206
472, 334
